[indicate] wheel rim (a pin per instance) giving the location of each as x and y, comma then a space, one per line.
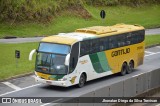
124, 69
82, 81
131, 66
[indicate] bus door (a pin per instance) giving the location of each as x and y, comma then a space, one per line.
74, 55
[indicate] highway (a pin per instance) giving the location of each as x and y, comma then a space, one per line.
37, 39
151, 62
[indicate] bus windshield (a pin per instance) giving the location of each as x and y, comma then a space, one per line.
51, 58
54, 48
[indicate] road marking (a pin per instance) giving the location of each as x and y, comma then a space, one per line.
157, 105
158, 46
33, 76
11, 85
45, 104
52, 102
151, 54
19, 90
137, 75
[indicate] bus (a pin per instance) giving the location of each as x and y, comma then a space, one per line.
89, 53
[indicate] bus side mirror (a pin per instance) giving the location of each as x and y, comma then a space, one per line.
31, 54
67, 60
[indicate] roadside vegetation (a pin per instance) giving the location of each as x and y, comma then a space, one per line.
8, 62
8, 66
30, 18
152, 40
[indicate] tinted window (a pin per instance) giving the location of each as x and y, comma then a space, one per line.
121, 40
137, 36
74, 57
103, 44
54, 48
113, 42
128, 39
94, 46
85, 45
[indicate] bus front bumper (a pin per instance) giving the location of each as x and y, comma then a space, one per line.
51, 82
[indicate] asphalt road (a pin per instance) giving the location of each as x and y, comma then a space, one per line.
151, 62
37, 39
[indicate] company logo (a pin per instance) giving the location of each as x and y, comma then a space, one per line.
120, 52
83, 61
6, 100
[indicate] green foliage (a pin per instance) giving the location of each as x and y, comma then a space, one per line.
147, 16
40, 10
151, 40
8, 66
46, 10
120, 2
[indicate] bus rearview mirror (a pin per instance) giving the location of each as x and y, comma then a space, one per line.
67, 60
31, 54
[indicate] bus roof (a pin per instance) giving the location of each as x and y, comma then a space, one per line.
91, 33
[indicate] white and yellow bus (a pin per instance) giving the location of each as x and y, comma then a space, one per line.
89, 53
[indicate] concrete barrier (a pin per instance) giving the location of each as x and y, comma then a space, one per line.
130, 87
116, 90
148, 75
102, 92
155, 78
141, 84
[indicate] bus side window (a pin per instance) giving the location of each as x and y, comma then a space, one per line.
128, 38
84, 49
134, 38
140, 35
113, 43
94, 46
103, 44
119, 41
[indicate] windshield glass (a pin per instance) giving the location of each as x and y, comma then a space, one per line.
51, 63
54, 48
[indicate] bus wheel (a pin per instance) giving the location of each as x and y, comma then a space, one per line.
124, 69
130, 67
82, 80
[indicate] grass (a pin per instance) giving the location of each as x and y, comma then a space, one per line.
8, 62
147, 16
152, 39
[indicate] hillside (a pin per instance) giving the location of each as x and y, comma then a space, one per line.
27, 18
46, 10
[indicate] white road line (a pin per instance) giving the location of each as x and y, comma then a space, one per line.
149, 52
137, 75
157, 105
158, 46
51, 102
12, 85
19, 90
45, 104
33, 76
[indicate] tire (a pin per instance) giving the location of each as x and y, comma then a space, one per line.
82, 80
124, 69
130, 67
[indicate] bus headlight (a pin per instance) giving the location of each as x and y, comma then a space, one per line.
63, 79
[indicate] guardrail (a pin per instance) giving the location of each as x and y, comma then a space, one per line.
130, 87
